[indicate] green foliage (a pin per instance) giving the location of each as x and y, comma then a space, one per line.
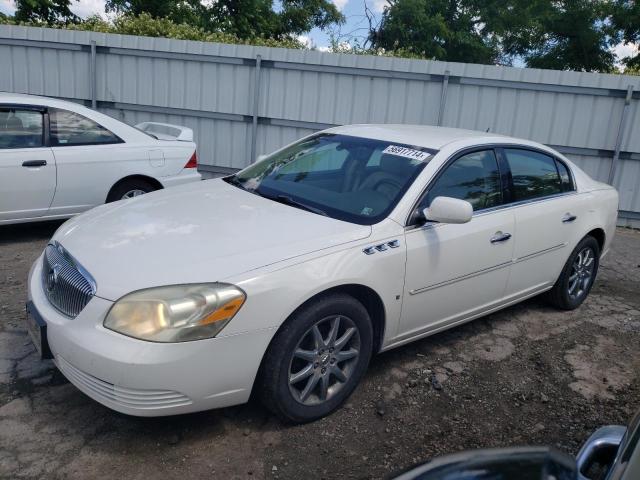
44, 11
555, 34
145, 25
242, 18
560, 35
632, 69
625, 19
451, 30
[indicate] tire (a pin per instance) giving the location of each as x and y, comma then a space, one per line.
301, 402
126, 189
569, 292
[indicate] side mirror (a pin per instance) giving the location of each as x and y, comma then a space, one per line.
601, 447
448, 210
259, 158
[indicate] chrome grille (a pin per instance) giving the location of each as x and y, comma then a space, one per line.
66, 284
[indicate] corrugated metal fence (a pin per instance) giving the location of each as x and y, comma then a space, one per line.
242, 101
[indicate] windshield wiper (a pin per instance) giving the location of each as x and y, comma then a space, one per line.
287, 200
233, 180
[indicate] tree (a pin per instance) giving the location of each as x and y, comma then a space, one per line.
560, 35
625, 20
45, 11
556, 34
243, 18
185, 11
451, 30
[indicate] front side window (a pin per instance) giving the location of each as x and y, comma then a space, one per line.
534, 174
473, 177
20, 128
70, 128
354, 179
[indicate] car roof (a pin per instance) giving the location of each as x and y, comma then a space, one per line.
419, 135
24, 99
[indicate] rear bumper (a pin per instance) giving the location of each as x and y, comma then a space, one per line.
187, 175
145, 378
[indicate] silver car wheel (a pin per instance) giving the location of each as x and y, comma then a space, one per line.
133, 193
581, 273
324, 359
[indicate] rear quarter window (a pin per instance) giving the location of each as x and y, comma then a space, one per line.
70, 128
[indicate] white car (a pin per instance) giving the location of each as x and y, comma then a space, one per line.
285, 278
58, 158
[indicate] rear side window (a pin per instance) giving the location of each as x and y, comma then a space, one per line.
565, 177
534, 174
473, 177
20, 128
70, 128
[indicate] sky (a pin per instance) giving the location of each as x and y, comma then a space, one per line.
355, 28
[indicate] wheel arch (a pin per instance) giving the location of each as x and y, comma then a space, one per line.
153, 181
600, 236
369, 298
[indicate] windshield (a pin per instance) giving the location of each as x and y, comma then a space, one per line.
354, 179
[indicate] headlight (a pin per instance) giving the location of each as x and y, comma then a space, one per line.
177, 313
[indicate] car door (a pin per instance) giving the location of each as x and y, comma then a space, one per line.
456, 271
87, 155
547, 212
27, 166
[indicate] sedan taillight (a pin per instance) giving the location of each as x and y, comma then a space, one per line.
193, 161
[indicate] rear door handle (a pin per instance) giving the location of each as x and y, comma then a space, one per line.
500, 237
34, 163
568, 218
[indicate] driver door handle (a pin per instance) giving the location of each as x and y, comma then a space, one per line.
568, 218
500, 237
34, 163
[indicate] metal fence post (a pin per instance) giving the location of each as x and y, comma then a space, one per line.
92, 76
621, 127
443, 96
256, 105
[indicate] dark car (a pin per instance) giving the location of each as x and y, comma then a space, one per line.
610, 453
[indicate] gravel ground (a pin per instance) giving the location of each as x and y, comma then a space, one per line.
526, 375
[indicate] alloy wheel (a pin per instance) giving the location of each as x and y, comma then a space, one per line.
133, 193
324, 359
581, 273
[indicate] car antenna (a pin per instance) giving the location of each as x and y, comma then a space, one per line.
487, 130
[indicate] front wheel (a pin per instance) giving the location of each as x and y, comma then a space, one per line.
317, 359
577, 277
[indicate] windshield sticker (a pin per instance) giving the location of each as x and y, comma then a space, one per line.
367, 211
406, 152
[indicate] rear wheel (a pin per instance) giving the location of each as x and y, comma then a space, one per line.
317, 359
130, 188
577, 277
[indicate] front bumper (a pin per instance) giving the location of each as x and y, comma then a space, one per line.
146, 378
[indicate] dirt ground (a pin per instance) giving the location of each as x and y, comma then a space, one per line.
526, 375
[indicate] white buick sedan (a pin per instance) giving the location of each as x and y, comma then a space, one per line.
285, 278
58, 158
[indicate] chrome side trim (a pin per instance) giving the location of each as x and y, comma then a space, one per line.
460, 278
541, 252
487, 211
486, 270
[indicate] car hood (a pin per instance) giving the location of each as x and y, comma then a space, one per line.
194, 233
